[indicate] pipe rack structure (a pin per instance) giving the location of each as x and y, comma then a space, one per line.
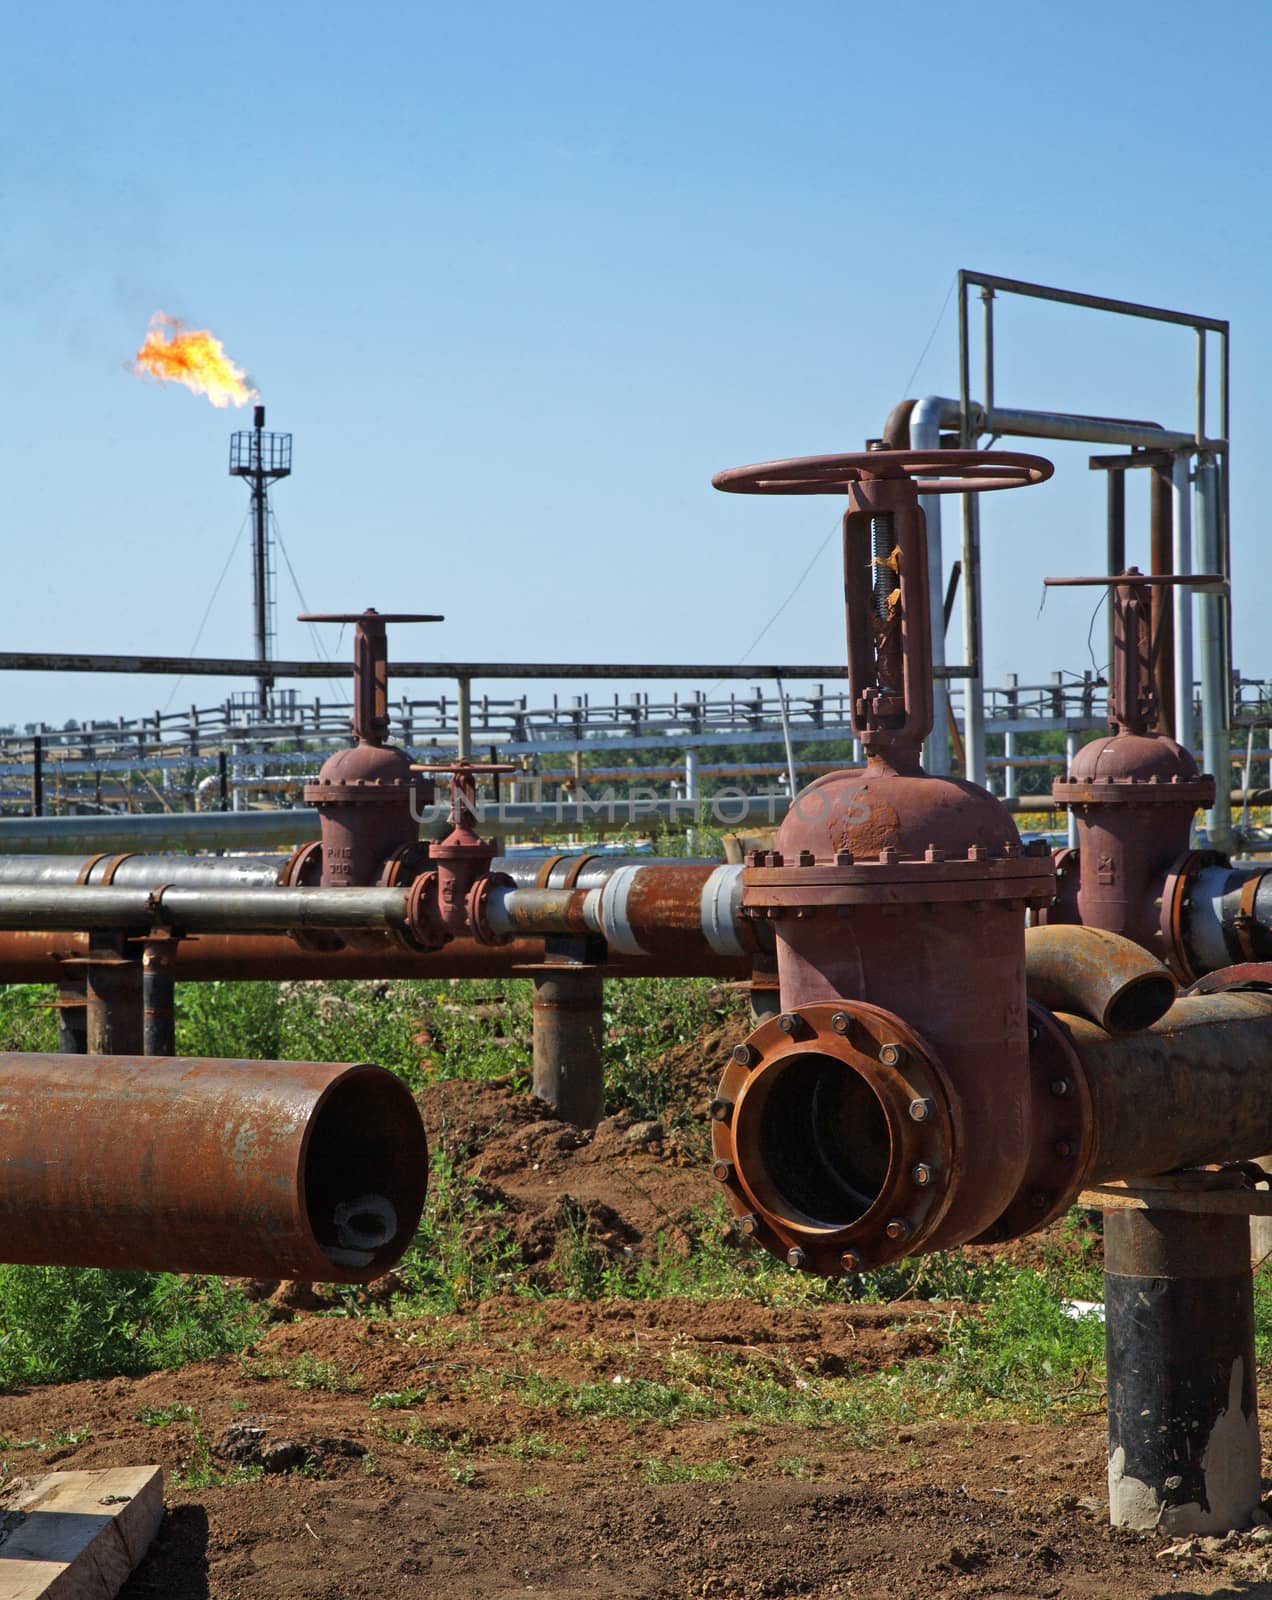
958, 1034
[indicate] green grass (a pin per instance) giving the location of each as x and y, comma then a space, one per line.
58, 1324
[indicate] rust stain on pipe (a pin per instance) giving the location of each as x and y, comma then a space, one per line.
308, 1170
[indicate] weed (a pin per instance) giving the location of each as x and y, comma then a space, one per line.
307, 1371
673, 1470
398, 1399
162, 1416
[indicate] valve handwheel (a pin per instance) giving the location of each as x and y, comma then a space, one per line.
932, 471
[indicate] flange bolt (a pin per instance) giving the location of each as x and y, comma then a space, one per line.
850, 1261
898, 1228
1059, 1087
788, 1022
922, 1174
795, 1257
749, 1224
892, 1055
745, 1055
722, 1171
922, 1110
721, 1110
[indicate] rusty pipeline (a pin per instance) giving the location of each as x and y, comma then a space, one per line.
294, 1169
669, 909
1097, 975
43, 957
1193, 1089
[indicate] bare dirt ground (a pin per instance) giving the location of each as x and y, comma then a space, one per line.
477, 1480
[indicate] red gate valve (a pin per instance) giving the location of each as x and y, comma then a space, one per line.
366, 796
885, 565
445, 901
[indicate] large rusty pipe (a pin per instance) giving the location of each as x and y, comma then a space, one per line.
291, 1169
1097, 975
27, 957
1194, 1088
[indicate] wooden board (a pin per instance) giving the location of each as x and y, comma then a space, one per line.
78, 1535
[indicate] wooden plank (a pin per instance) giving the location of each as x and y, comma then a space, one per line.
78, 1535
1224, 1202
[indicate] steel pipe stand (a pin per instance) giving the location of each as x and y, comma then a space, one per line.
1183, 1439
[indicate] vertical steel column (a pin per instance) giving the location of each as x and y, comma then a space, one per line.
1179, 1334
1116, 538
925, 434
568, 1032
1212, 635
1071, 747
1009, 770
112, 999
973, 703
158, 997
72, 1022
37, 776
1161, 565
691, 772
464, 718
1185, 730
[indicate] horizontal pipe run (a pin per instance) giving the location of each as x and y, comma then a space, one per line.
238, 667
217, 910
27, 957
145, 871
1098, 975
297, 1169
638, 910
1193, 1089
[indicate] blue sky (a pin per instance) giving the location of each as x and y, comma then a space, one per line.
521, 277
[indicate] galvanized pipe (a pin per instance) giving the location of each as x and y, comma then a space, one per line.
196, 910
1097, 975
131, 871
270, 1169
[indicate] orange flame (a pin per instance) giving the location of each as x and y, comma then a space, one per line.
171, 353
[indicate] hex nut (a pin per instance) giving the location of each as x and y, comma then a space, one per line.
922, 1174
1066, 1149
721, 1110
722, 1171
788, 1022
850, 1261
892, 1055
898, 1228
1059, 1087
922, 1110
841, 1022
749, 1224
795, 1257
744, 1055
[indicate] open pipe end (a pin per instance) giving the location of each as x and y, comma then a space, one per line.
364, 1174
833, 1138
